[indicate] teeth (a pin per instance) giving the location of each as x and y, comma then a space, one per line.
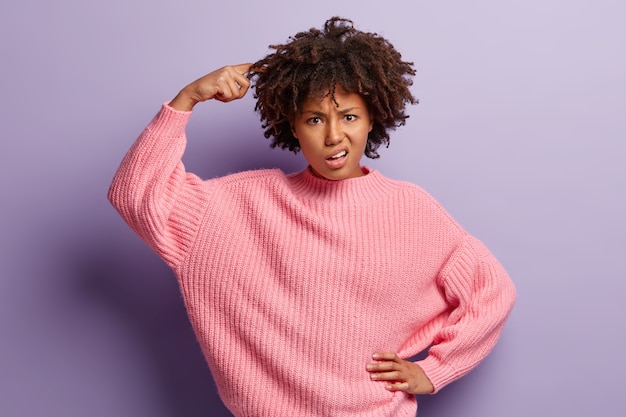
339, 155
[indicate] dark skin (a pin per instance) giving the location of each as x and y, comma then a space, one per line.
399, 374
225, 84
230, 83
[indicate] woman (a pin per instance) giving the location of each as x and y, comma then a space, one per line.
309, 291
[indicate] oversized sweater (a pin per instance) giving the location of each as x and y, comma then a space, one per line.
292, 282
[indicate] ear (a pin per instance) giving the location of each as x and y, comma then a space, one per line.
293, 130
371, 124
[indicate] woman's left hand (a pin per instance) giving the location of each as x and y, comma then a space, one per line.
400, 375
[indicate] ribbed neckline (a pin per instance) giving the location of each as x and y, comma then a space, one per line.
371, 186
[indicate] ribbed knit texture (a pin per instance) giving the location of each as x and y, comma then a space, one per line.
292, 282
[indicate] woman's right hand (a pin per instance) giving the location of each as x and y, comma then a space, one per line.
225, 84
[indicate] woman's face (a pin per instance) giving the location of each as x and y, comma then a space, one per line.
333, 136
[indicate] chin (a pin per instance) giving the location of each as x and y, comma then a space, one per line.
337, 175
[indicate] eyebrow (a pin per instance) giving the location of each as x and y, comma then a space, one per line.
321, 113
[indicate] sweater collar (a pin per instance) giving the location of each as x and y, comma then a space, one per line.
359, 190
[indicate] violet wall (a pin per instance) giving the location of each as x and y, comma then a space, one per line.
520, 133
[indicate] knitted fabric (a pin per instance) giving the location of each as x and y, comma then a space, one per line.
291, 282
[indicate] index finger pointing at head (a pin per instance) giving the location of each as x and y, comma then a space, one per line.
242, 68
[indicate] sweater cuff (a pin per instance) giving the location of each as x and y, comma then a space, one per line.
439, 375
170, 122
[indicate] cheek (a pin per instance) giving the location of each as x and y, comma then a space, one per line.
308, 137
305, 145
365, 134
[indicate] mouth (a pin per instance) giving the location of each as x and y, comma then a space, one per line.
338, 160
338, 155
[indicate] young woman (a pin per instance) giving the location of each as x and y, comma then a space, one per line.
308, 291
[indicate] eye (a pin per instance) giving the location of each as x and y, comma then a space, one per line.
350, 117
314, 120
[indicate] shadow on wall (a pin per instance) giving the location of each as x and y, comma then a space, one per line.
140, 293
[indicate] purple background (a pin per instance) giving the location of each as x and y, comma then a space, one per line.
520, 133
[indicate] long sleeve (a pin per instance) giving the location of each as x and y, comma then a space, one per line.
481, 295
152, 192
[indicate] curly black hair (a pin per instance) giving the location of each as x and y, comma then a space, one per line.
315, 62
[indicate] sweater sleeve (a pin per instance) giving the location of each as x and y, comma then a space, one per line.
481, 296
153, 193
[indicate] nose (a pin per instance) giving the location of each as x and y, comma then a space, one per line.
334, 133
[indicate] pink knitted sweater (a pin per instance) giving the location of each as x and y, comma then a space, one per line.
292, 282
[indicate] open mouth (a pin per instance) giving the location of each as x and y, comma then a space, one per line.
338, 160
338, 155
